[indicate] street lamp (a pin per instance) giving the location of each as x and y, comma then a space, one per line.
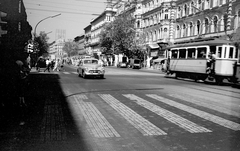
43, 20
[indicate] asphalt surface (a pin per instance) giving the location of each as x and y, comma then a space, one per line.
128, 110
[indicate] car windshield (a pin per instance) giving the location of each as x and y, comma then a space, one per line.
90, 61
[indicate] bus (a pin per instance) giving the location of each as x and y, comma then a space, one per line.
207, 59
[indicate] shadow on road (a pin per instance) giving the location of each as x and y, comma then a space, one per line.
48, 123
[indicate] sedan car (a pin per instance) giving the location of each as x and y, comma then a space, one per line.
90, 67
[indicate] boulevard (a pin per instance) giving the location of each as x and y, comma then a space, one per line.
128, 110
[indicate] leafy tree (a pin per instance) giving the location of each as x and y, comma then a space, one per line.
106, 39
41, 45
119, 36
71, 48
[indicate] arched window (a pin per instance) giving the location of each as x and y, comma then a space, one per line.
215, 24
165, 33
166, 14
192, 8
198, 27
191, 29
178, 32
185, 10
206, 22
184, 30
179, 12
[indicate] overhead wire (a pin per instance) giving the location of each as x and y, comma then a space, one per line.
61, 11
57, 7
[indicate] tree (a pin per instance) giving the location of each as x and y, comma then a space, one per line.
71, 48
41, 45
119, 36
106, 39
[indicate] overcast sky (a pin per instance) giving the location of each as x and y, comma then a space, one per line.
75, 15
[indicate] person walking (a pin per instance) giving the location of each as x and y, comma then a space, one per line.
48, 65
56, 65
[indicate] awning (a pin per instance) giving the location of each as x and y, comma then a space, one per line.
153, 46
159, 59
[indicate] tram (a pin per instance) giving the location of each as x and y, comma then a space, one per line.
209, 59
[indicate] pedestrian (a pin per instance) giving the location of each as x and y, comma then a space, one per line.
56, 65
20, 87
48, 65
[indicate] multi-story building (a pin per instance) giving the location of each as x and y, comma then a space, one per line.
80, 41
97, 25
87, 32
206, 18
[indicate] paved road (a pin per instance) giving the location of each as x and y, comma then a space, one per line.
129, 110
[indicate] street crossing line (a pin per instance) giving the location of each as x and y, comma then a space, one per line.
207, 116
65, 72
96, 122
174, 118
204, 104
140, 123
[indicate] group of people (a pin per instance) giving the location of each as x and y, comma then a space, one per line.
54, 65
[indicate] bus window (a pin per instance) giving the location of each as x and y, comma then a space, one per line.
201, 52
219, 54
231, 52
182, 53
174, 53
191, 52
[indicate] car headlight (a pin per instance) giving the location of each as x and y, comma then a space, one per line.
86, 69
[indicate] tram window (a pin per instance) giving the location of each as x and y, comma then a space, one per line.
213, 49
236, 53
191, 52
201, 53
219, 54
174, 53
231, 52
182, 53
225, 52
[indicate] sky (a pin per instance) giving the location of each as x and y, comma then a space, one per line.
75, 15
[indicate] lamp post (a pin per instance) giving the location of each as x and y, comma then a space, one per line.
34, 34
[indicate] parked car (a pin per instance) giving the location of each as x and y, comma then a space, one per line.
122, 65
90, 67
134, 63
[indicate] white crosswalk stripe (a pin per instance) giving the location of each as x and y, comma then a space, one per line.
174, 118
99, 127
140, 123
206, 105
207, 116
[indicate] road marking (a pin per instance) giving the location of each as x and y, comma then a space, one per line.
140, 123
174, 118
74, 72
204, 104
66, 72
207, 116
97, 123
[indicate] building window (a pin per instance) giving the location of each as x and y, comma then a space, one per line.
184, 30
192, 10
191, 29
166, 14
206, 25
198, 27
215, 24
178, 32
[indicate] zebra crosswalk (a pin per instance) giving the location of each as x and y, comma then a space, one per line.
99, 126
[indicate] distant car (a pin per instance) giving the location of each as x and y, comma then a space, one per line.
122, 65
89, 67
